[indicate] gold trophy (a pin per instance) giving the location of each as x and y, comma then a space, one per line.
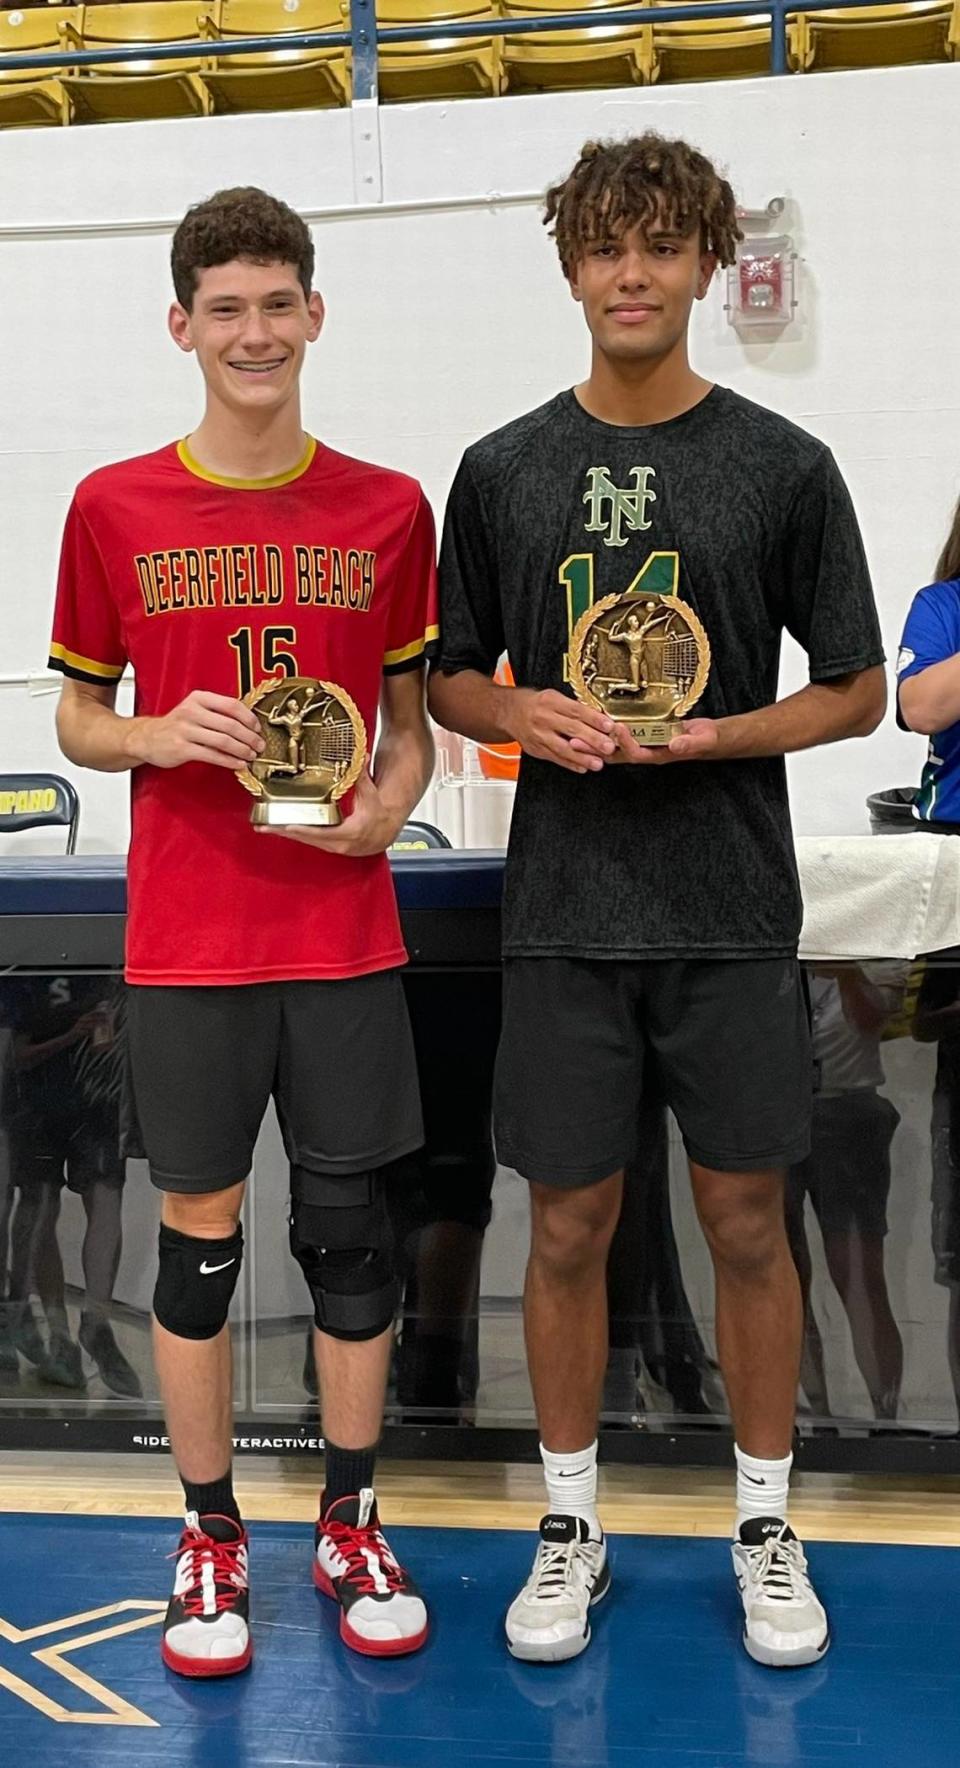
643, 660
315, 748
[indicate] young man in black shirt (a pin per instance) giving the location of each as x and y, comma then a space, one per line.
651, 898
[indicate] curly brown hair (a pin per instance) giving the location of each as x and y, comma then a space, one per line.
616, 185
241, 223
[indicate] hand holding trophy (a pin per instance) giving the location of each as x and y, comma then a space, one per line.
643, 660
315, 746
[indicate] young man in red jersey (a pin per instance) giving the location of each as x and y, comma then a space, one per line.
651, 903
258, 964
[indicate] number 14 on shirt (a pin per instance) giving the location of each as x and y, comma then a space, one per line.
658, 575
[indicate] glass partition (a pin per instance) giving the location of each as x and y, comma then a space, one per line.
873, 1218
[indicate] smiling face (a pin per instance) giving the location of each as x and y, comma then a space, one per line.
249, 324
637, 288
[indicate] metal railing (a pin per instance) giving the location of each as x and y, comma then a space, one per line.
365, 34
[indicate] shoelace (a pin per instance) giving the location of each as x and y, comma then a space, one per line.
228, 1581
554, 1572
780, 1570
355, 1545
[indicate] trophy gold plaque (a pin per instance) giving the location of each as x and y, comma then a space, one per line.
643, 660
315, 746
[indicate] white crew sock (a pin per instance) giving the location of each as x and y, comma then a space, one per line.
572, 1484
763, 1487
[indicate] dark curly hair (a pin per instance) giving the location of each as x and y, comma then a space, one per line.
240, 223
620, 184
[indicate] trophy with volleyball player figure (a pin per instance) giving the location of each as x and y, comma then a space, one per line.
643, 660
315, 745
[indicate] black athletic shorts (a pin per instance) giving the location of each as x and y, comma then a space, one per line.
46, 1149
456, 1024
336, 1056
732, 1044
847, 1174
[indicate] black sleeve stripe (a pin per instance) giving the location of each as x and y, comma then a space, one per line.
424, 655
97, 681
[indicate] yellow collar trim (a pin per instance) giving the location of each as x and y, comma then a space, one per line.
193, 466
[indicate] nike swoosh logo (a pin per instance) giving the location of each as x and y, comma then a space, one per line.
576, 1473
208, 1270
753, 1480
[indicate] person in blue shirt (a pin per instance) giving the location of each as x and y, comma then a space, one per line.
928, 684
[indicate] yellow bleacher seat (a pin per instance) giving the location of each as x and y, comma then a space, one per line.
129, 91
280, 79
32, 96
438, 67
592, 55
877, 36
714, 49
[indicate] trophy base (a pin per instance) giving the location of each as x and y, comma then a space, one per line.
288, 813
653, 733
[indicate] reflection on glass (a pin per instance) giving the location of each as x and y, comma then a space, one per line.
439, 1197
937, 1020
71, 1334
657, 1355
847, 1176
59, 1111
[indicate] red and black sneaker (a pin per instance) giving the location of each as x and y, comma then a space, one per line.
382, 1613
206, 1631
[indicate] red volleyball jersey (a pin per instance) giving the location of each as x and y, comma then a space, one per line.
203, 582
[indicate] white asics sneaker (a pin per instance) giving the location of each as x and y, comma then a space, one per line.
785, 1623
549, 1620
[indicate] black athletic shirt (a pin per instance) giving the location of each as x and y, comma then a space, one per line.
747, 518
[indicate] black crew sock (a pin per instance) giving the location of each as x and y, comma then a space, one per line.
214, 1499
347, 1472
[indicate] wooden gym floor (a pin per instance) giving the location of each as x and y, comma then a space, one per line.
431, 1494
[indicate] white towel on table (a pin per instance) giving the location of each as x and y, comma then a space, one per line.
878, 896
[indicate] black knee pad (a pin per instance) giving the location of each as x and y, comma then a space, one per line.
457, 1188
195, 1282
340, 1237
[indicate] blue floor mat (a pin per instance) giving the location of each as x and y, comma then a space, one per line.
664, 1684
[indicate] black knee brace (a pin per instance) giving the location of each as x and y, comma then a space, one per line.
195, 1282
340, 1237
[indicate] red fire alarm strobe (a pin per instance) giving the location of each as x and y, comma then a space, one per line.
761, 284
